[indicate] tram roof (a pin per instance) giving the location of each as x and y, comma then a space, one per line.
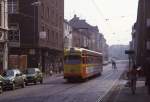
81, 50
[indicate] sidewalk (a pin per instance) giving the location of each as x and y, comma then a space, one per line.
53, 76
125, 95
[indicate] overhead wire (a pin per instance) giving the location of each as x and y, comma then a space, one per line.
108, 26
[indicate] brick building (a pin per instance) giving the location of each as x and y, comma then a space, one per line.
87, 36
140, 34
84, 35
36, 31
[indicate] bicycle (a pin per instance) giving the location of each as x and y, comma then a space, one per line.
133, 79
133, 86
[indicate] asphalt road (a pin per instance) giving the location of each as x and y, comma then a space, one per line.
56, 89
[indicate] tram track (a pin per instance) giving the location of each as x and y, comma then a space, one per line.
87, 84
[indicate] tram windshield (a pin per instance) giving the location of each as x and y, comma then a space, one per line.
72, 59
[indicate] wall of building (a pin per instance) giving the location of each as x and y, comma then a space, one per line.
67, 35
51, 20
40, 32
3, 36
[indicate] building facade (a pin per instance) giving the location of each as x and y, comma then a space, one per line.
105, 49
141, 34
85, 35
80, 33
36, 31
67, 35
3, 36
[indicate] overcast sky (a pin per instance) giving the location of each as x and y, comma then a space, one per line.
113, 17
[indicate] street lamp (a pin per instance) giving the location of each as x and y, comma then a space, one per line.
35, 4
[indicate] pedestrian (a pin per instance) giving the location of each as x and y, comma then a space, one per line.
113, 64
51, 70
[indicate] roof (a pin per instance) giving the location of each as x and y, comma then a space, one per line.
79, 50
82, 24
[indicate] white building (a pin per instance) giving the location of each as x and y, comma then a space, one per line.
67, 35
3, 35
104, 49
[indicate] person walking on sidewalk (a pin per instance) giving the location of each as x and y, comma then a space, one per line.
51, 69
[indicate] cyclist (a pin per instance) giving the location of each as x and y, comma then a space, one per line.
113, 64
133, 79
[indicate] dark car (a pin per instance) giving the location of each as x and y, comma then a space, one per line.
13, 78
1, 84
34, 75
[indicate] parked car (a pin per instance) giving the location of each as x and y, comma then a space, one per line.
13, 78
1, 84
34, 75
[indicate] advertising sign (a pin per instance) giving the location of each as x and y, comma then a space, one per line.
42, 35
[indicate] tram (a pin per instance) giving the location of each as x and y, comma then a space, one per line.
80, 63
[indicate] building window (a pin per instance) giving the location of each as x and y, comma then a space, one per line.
48, 12
14, 33
43, 28
53, 16
53, 39
47, 37
42, 9
12, 6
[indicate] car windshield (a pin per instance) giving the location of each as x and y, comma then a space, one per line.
10, 73
31, 71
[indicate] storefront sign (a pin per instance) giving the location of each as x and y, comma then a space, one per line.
42, 35
32, 51
14, 44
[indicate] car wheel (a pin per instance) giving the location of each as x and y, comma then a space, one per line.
35, 82
41, 81
26, 84
13, 86
1, 90
23, 84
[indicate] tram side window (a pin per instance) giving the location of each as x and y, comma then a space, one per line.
72, 59
89, 60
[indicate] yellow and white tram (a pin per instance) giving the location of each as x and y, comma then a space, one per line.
80, 63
